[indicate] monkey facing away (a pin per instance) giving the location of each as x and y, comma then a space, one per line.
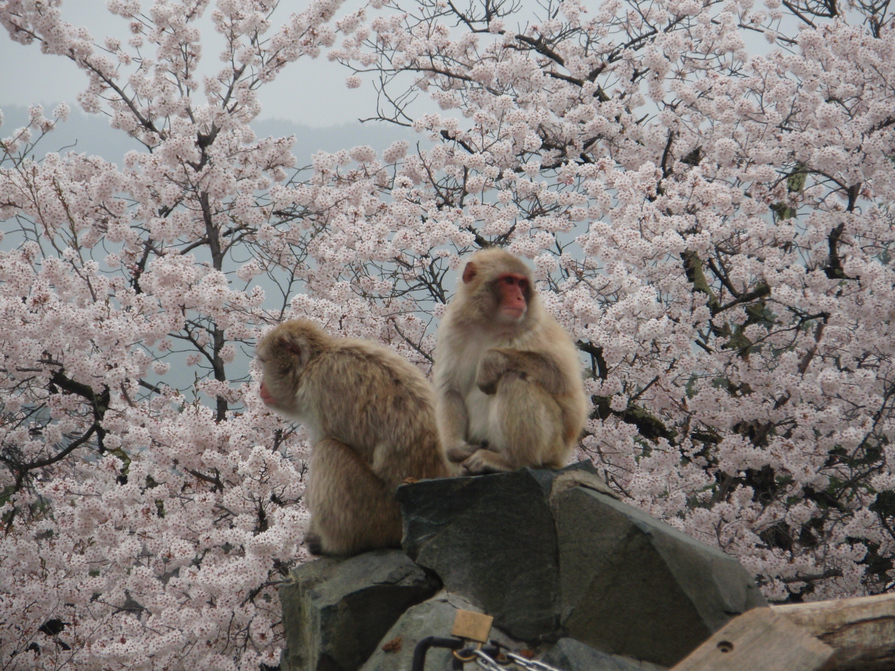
371, 418
509, 392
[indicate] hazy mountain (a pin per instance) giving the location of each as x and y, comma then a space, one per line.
309, 140
82, 133
90, 134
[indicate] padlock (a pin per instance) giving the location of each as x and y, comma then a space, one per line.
472, 626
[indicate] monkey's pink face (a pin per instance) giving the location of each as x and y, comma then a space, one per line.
512, 292
266, 396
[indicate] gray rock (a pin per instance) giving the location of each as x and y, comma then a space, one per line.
492, 539
571, 655
552, 554
635, 586
434, 617
335, 611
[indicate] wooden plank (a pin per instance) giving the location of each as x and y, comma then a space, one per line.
760, 639
861, 630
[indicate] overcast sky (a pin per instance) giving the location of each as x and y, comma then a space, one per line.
28, 77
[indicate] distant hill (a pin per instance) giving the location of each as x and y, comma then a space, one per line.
309, 140
90, 134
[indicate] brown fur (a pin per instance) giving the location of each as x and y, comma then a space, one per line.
509, 392
371, 418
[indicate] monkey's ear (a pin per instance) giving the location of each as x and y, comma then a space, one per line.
292, 345
469, 272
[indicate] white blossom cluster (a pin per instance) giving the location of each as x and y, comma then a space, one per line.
709, 216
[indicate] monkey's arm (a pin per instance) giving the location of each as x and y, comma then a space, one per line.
532, 366
453, 422
485, 461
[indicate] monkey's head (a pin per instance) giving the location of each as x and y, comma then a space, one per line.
498, 288
283, 354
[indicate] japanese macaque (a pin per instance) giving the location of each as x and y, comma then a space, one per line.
509, 391
371, 418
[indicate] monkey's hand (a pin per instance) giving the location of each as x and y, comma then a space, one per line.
460, 451
315, 545
482, 462
492, 366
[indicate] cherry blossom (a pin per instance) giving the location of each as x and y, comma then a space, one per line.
703, 190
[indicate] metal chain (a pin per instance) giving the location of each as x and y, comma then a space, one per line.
487, 662
530, 663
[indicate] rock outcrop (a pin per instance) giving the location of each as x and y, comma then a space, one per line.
553, 556
336, 611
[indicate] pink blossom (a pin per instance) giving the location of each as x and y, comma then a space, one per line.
712, 227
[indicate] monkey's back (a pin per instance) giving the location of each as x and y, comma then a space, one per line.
553, 341
573, 404
387, 408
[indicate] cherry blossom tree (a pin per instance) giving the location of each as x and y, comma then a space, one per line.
703, 189
149, 504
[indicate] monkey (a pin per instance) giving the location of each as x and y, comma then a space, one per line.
371, 418
509, 392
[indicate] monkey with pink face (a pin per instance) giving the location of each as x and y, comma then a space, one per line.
509, 391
